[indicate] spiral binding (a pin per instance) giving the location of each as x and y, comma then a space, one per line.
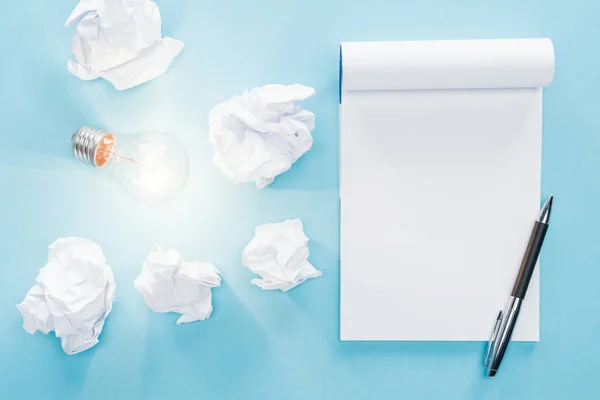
84, 143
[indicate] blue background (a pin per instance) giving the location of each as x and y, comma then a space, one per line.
272, 344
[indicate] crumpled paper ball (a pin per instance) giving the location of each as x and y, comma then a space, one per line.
120, 41
279, 254
170, 284
261, 133
73, 296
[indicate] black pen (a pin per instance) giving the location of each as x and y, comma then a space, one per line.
505, 322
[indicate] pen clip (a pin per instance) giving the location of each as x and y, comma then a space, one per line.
493, 336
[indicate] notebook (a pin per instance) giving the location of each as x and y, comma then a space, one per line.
440, 169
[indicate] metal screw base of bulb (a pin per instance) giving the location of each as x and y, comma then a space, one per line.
85, 142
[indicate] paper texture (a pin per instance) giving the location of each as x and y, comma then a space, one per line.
170, 284
440, 167
120, 41
448, 64
73, 295
261, 133
278, 253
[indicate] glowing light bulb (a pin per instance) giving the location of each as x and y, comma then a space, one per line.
148, 166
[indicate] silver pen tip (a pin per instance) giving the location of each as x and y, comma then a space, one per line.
545, 211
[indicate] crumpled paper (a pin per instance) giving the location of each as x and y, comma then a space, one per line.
260, 134
73, 295
279, 254
170, 284
120, 41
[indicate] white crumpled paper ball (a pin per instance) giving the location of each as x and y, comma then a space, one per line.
120, 41
73, 295
279, 254
170, 284
261, 133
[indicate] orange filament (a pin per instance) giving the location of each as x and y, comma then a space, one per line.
105, 150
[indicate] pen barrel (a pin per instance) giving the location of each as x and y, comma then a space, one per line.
529, 260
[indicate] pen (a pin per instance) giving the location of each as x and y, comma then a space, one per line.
505, 321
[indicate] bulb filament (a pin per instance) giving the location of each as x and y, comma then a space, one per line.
107, 151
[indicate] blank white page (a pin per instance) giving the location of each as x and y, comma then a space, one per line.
439, 190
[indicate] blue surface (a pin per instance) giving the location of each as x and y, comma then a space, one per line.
271, 344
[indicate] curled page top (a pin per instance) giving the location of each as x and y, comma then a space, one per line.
447, 64
170, 284
261, 133
73, 295
278, 253
120, 41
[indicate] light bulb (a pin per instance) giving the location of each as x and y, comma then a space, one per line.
148, 166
